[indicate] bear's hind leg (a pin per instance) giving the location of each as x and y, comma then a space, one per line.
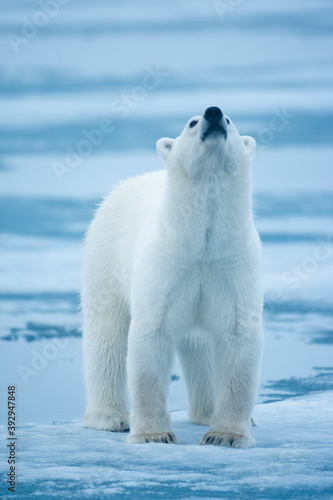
195, 357
105, 334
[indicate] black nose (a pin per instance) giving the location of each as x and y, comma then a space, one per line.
213, 114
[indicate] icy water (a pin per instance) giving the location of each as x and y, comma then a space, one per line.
121, 77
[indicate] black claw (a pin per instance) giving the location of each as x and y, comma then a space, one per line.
147, 440
209, 440
164, 440
124, 427
232, 440
171, 438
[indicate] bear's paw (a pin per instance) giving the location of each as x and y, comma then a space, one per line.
107, 422
161, 437
228, 439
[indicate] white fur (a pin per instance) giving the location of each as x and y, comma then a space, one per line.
173, 263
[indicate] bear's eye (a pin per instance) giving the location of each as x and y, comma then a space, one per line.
228, 121
193, 123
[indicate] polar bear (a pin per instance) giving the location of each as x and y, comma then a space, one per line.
173, 264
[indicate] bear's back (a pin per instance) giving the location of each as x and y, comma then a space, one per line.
134, 198
113, 234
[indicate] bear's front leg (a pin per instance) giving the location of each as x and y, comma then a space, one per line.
149, 364
237, 362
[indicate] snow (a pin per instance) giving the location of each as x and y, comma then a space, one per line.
292, 459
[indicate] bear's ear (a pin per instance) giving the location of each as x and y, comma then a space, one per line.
249, 143
164, 147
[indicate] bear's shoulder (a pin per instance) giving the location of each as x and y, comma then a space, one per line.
147, 185
132, 196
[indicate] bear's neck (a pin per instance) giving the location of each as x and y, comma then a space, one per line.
208, 217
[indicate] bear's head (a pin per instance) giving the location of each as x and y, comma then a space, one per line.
209, 142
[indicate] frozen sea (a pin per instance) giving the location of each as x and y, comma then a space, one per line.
122, 76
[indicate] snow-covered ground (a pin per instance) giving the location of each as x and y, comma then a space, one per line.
292, 459
267, 65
